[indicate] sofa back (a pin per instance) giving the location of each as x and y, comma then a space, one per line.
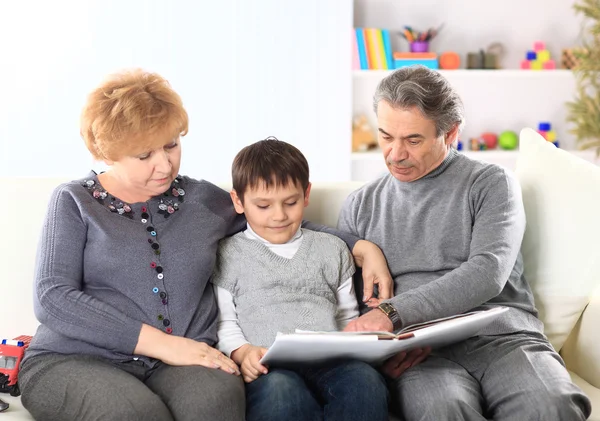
561, 248
22, 217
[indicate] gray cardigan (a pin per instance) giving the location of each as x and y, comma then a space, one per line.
106, 267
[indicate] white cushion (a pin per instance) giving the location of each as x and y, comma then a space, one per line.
561, 248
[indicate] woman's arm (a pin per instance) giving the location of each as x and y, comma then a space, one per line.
59, 300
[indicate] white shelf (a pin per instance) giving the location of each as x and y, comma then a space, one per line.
478, 73
376, 154
370, 165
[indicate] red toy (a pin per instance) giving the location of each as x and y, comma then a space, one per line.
11, 355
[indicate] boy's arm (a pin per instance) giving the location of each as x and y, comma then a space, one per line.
229, 332
347, 305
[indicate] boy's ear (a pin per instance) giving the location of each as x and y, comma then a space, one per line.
307, 195
237, 203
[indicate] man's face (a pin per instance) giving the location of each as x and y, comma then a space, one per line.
409, 143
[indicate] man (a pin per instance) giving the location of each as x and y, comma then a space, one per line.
451, 229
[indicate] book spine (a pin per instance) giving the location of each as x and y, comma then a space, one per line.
362, 48
387, 46
372, 48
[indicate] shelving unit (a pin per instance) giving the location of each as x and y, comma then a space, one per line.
494, 100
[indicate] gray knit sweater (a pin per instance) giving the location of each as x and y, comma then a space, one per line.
274, 294
105, 267
452, 241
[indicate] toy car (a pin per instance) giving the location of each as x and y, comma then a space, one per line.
11, 354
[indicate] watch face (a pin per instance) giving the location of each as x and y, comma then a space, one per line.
386, 308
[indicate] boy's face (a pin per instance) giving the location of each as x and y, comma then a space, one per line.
274, 214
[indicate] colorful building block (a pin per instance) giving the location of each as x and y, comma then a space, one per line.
538, 58
536, 65
543, 55
525, 65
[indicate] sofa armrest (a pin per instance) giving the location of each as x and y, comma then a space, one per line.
581, 351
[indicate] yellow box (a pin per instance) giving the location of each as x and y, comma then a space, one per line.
551, 136
536, 65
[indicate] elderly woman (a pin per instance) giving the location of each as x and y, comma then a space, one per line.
128, 318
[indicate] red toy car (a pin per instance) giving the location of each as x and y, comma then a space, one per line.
11, 354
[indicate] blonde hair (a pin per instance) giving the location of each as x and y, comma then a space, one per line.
130, 113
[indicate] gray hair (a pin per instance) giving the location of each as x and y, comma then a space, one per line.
428, 91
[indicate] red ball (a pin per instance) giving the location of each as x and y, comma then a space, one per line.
490, 139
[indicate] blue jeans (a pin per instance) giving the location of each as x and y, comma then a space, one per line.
349, 391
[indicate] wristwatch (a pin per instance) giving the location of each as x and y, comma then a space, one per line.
390, 311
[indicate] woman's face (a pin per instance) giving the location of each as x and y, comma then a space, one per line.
152, 172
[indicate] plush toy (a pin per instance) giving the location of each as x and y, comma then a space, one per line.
363, 137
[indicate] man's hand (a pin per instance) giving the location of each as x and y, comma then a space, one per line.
401, 362
248, 357
374, 320
374, 271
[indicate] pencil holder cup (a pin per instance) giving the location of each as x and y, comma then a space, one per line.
419, 46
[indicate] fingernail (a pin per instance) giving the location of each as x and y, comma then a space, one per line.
364, 298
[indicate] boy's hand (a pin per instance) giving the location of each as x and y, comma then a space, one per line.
248, 357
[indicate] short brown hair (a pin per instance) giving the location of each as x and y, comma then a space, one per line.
270, 161
131, 112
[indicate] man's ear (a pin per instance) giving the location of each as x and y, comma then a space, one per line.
307, 195
451, 136
237, 202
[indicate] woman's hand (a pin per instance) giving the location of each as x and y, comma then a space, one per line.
374, 271
248, 356
180, 351
401, 362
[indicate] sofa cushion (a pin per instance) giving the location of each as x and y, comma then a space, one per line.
561, 251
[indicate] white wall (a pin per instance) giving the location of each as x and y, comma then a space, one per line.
470, 25
245, 70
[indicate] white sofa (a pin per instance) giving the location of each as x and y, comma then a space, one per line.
561, 251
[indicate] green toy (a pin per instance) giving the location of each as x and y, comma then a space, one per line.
508, 140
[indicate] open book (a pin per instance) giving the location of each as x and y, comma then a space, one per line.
308, 347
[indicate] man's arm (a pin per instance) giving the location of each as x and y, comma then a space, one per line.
499, 225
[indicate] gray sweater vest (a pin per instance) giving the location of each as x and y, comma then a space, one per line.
274, 294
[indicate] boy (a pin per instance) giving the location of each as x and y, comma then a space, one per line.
277, 277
